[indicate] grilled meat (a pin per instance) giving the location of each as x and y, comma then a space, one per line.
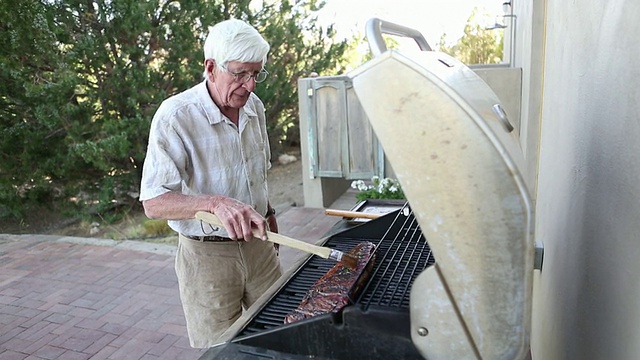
337, 287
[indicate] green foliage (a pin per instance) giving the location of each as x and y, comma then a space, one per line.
386, 188
81, 80
155, 227
477, 45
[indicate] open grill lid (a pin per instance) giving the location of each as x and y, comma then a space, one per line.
458, 159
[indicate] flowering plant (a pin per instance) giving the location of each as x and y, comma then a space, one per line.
386, 188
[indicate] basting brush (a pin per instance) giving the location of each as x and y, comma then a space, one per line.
324, 252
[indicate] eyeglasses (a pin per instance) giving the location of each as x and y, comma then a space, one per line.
244, 77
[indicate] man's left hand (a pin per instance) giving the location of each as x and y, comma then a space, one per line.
273, 227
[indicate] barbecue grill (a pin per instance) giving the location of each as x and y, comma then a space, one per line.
458, 159
380, 314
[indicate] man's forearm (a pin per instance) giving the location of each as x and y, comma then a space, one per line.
176, 206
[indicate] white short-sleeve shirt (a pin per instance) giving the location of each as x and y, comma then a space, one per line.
194, 149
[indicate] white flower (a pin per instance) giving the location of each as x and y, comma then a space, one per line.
358, 184
393, 188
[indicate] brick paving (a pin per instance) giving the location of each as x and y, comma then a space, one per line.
63, 298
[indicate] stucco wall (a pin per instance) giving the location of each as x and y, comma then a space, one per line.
587, 298
528, 23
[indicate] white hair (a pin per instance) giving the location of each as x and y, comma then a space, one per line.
235, 40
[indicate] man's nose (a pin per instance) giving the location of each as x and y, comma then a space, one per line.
251, 84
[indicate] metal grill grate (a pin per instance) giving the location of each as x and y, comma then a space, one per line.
401, 255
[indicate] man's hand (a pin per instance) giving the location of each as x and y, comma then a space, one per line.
273, 227
273, 223
238, 218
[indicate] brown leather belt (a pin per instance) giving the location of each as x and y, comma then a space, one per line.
214, 238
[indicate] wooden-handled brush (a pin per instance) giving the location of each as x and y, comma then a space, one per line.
351, 214
323, 252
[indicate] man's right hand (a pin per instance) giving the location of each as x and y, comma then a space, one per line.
238, 218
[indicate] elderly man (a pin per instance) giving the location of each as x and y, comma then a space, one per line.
209, 151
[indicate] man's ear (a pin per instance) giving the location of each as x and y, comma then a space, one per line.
209, 65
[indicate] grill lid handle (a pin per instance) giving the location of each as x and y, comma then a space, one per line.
376, 27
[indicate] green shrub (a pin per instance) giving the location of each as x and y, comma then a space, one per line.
155, 227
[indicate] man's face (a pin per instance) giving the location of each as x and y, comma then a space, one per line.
228, 87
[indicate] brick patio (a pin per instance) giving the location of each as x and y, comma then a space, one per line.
70, 298
62, 300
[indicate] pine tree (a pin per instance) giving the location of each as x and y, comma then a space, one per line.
477, 45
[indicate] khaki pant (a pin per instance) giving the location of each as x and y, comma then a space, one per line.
218, 279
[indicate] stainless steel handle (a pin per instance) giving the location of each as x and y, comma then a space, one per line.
539, 256
376, 27
499, 111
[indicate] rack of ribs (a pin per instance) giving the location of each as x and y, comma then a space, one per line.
333, 291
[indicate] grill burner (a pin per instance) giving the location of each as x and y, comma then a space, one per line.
378, 321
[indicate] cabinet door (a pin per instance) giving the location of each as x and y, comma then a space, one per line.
341, 140
329, 125
363, 157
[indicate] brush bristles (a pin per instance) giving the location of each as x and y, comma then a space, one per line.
346, 259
